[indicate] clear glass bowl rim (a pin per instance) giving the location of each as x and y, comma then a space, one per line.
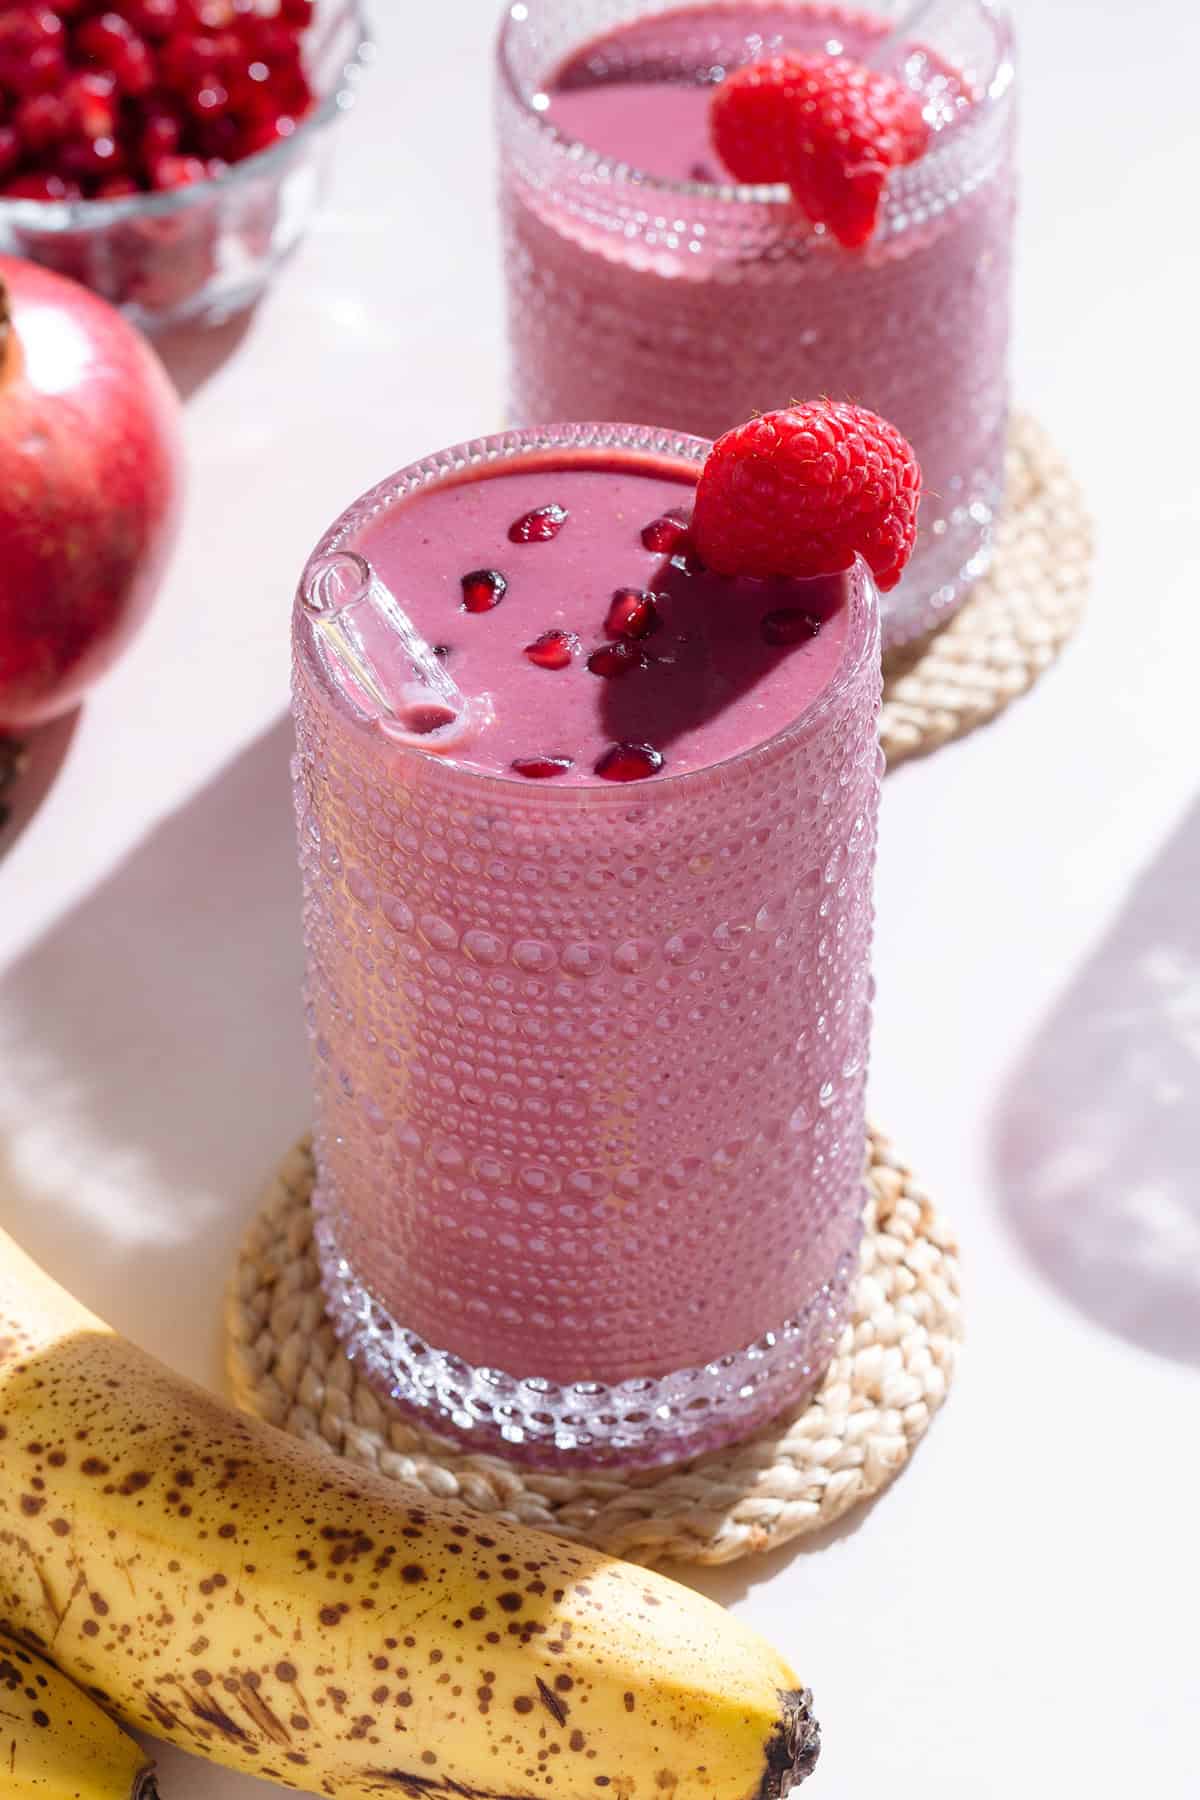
95, 215
596, 437
731, 193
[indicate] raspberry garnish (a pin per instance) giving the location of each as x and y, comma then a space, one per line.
633, 614
542, 768
799, 492
538, 526
629, 762
611, 660
553, 650
482, 589
830, 127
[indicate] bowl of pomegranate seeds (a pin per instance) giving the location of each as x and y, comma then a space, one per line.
169, 153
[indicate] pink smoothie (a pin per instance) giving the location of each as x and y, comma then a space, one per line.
589, 1057
695, 306
708, 679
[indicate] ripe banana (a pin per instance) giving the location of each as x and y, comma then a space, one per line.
56, 1744
246, 1597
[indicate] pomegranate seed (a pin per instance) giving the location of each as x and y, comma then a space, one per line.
266, 133
153, 19
274, 41
187, 57
553, 650
251, 82
214, 15
789, 625
41, 187
160, 136
26, 29
46, 25
178, 172
90, 159
633, 614
542, 768
629, 762
116, 46
117, 187
538, 526
10, 150
207, 99
44, 73
611, 660
219, 138
90, 100
664, 534
296, 12
41, 122
482, 589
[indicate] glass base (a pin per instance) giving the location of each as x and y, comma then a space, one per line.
947, 563
636, 1424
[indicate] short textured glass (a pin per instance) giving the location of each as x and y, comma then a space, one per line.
589, 1062
691, 305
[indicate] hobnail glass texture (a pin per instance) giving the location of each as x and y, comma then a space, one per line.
694, 306
589, 1062
200, 254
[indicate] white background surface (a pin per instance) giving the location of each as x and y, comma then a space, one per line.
1020, 1612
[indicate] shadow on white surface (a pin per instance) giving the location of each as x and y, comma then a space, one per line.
1097, 1141
45, 753
153, 1063
735, 1581
194, 353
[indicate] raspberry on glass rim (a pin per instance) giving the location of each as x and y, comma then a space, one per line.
828, 126
802, 491
611, 939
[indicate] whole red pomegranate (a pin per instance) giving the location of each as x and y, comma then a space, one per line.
90, 475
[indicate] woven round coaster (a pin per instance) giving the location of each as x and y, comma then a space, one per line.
891, 1373
1017, 619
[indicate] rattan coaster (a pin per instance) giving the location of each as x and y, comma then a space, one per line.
1016, 620
890, 1375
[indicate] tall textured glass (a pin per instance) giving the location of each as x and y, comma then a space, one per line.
691, 304
589, 1061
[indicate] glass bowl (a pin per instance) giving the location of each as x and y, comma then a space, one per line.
200, 254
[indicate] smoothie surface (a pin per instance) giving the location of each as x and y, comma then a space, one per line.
723, 666
641, 95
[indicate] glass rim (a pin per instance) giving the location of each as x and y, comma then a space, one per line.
76, 215
727, 193
578, 440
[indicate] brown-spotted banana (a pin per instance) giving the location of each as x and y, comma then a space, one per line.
258, 1603
56, 1743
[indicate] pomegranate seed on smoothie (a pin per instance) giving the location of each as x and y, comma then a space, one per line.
713, 207
588, 911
